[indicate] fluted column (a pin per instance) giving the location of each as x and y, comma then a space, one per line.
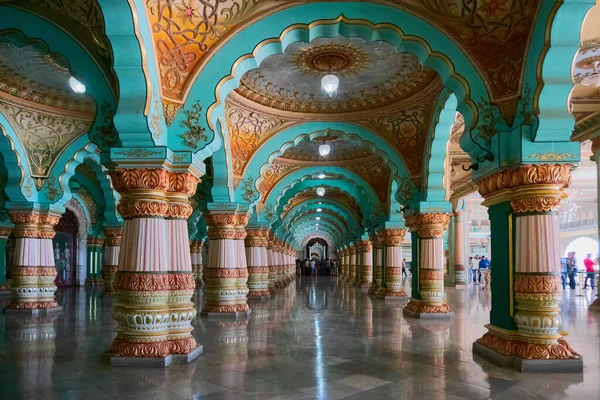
196, 257
94, 260
112, 248
392, 288
154, 282
278, 262
271, 261
351, 264
342, 258
4, 234
532, 302
33, 271
378, 261
431, 300
226, 273
366, 264
258, 263
460, 273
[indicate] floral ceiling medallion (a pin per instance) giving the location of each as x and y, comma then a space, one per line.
339, 58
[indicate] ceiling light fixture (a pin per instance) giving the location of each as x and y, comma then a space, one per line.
330, 84
324, 149
321, 176
76, 86
319, 209
594, 78
320, 191
318, 218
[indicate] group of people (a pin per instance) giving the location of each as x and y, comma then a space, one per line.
570, 270
479, 266
315, 267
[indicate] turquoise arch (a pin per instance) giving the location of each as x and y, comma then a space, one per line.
22, 28
555, 122
339, 214
133, 71
436, 152
292, 185
304, 207
417, 37
326, 226
291, 137
86, 211
298, 238
312, 215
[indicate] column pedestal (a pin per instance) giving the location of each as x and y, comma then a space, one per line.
33, 272
392, 290
378, 259
430, 301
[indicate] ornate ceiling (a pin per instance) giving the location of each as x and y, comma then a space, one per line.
83, 21
495, 35
332, 194
372, 75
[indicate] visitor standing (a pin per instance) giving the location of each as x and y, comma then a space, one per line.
484, 269
589, 268
571, 269
404, 267
313, 265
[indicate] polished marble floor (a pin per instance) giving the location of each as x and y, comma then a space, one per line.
317, 339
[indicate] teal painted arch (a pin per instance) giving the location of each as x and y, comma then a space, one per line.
293, 136
555, 122
437, 150
17, 165
290, 186
86, 212
272, 34
325, 220
312, 217
299, 238
332, 173
134, 63
302, 208
24, 29
307, 228
351, 226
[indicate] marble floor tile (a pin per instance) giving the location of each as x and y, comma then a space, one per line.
347, 347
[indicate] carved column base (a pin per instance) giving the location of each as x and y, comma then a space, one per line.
373, 289
258, 281
419, 309
198, 278
33, 290
222, 291
392, 294
158, 354
508, 349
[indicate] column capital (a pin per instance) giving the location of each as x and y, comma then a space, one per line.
365, 246
113, 236
528, 187
257, 237
95, 241
428, 225
34, 224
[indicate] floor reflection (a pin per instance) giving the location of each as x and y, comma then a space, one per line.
317, 338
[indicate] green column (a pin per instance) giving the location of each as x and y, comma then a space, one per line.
502, 272
415, 242
3, 242
94, 260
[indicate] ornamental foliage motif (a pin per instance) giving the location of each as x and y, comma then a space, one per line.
195, 132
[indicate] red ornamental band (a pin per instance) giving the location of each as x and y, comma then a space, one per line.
227, 273
153, 282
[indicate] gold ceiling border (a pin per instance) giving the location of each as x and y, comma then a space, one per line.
140, 39
347, 21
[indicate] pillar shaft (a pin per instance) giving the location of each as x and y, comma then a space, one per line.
430, 229
258, 262
196, 257
33, 271
94, 260
112, 248
352, 264
366, 264
378, 268
154, 283
526, 286
271, 260
4, 233
392, 240
460, 273
226, 273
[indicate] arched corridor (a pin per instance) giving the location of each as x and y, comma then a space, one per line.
217, 185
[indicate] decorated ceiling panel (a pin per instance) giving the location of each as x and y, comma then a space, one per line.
332, 194
494, 34
83, 21
372, 75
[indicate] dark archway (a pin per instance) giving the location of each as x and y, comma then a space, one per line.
314, 241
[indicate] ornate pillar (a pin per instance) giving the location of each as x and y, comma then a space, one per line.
431, 301
112, 247
154, 283
378, 260
343, 269
392, 265
366, 264
196, 257
460, 270
271, 261
94, 260
4, 234
33, 271
226, 273
278, 260
258, 262
526, 284
351, 264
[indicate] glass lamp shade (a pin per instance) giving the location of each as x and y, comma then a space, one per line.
76, 86
330, 84
319, 209
321, 191
324, 149
318, 218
